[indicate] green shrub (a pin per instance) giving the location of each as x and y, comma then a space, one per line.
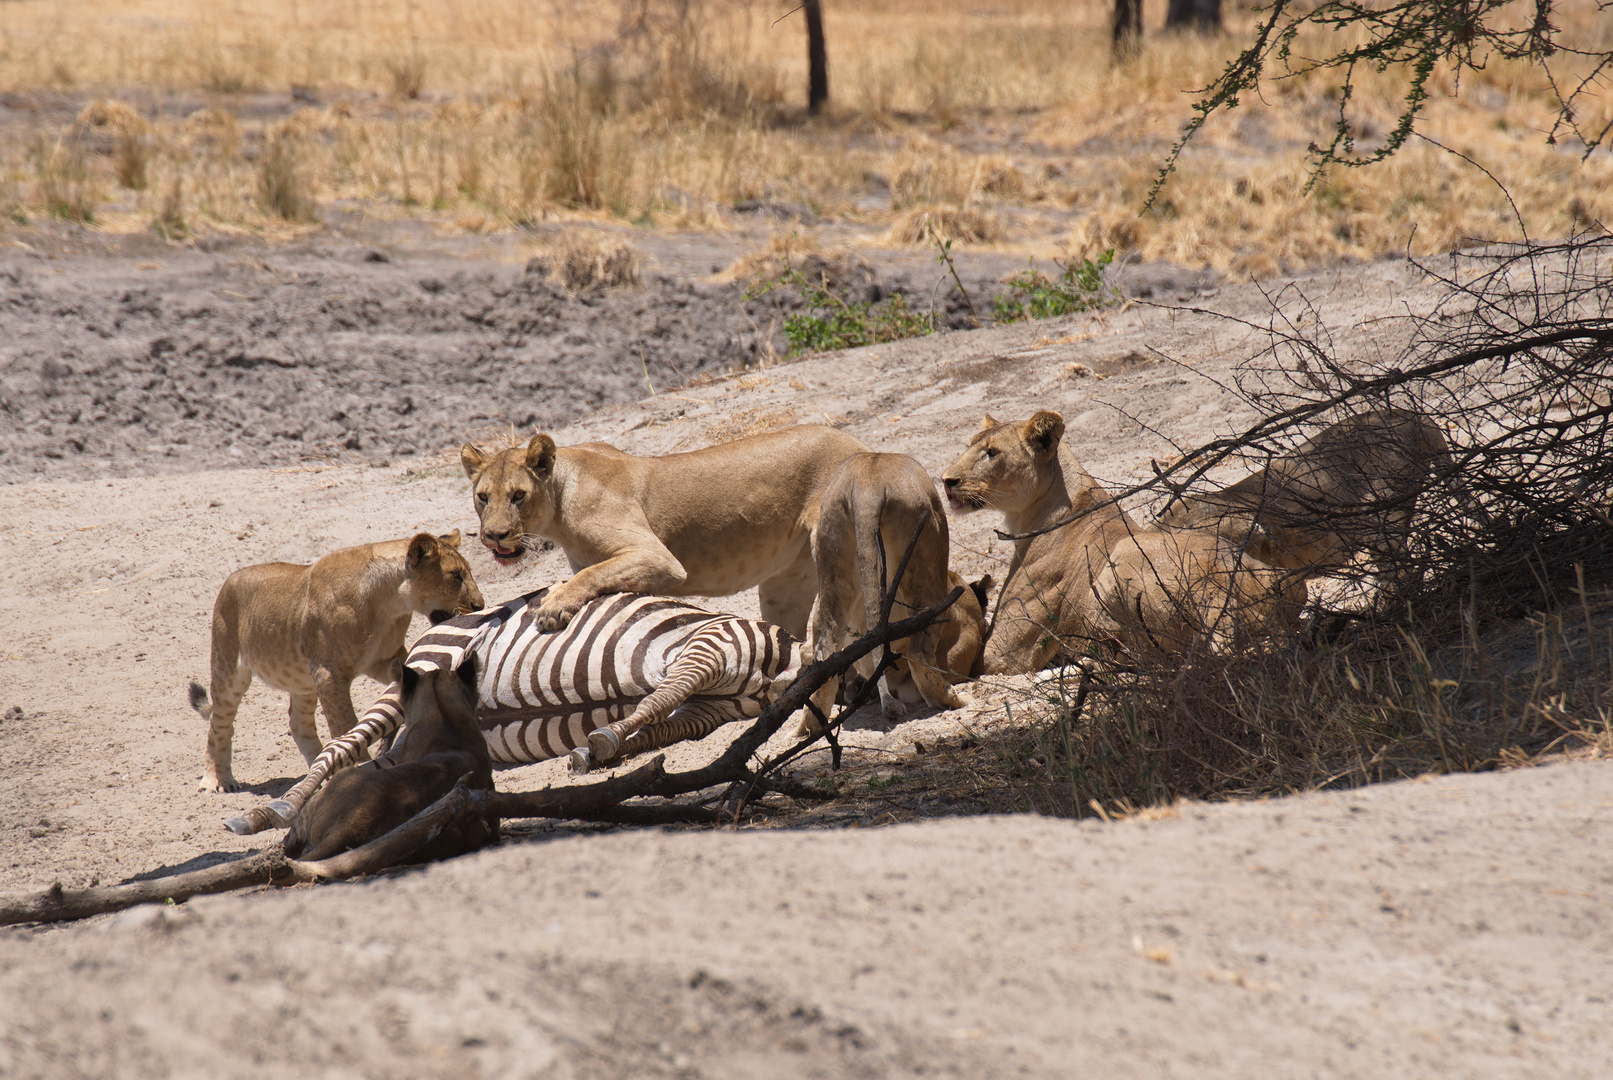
833, 321
1034, 295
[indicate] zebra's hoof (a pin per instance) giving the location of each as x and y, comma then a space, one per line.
604, 743
283, 812
581, 760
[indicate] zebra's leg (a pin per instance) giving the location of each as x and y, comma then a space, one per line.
686, 724
303, 732
702, 663
228, 688
380, 720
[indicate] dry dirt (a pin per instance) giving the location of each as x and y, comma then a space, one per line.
1452, 928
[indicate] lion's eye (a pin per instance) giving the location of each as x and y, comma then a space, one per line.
481, 497
517, 496
988, 453
457, 578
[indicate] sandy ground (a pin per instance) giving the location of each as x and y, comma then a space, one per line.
1455, 928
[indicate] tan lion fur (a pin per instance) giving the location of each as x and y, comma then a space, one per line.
1350, 488
311, 630
710, 522
870, 511
1174, 591
1101, 578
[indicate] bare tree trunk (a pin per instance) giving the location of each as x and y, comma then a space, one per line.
1201, 15
1127, 26
817, 57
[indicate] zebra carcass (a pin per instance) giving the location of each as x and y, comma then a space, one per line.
628, 674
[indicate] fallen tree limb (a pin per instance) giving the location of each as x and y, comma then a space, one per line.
58, 904
270, 867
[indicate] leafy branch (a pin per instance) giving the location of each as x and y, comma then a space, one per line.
1416, 35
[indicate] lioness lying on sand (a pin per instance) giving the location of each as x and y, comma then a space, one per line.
311, 630
1101, 578
1350, 488
706, 523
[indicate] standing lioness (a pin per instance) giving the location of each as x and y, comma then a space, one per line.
311, 630
705, 523
875, 505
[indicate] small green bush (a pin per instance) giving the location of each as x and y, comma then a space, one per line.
1034, 295
832, 321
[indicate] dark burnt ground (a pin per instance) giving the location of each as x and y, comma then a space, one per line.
124, 356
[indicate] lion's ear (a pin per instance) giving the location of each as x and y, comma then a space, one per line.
1043, 432
987, 423
473, 459
982, 590
451, 539
421, 548
540, 455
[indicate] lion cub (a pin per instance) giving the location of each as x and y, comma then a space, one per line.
311, 630
870, 510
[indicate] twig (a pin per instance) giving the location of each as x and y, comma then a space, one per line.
946, 257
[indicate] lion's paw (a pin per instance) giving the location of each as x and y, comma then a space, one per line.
223, 784
552, 619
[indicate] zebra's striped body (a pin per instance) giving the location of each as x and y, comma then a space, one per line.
629, 673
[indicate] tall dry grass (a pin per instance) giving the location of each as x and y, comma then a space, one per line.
1013, 122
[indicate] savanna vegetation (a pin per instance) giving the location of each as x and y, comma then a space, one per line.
1013, 127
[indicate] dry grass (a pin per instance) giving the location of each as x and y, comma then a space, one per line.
586, 259
1301, 720
1013, 124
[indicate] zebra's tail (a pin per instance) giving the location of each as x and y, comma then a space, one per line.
199, 702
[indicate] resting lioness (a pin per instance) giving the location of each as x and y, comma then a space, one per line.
1170, 591
705, 523
1350, 488
1100, 578
869, 513
311, 630
1025, 471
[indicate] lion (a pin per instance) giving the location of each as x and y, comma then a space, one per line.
709, 522
311, 630
873, 506
1349, 489
960, 644
1171, 592
1099, 577
1025, 471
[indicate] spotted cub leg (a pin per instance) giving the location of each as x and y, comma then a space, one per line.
228, 688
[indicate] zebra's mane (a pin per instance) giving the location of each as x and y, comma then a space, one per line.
444, 646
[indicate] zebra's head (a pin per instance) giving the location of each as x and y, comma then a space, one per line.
795, 658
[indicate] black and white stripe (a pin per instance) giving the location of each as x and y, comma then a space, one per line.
629, 673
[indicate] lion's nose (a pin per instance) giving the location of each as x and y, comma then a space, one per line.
950, 482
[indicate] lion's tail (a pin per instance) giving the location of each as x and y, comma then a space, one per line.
199, 702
